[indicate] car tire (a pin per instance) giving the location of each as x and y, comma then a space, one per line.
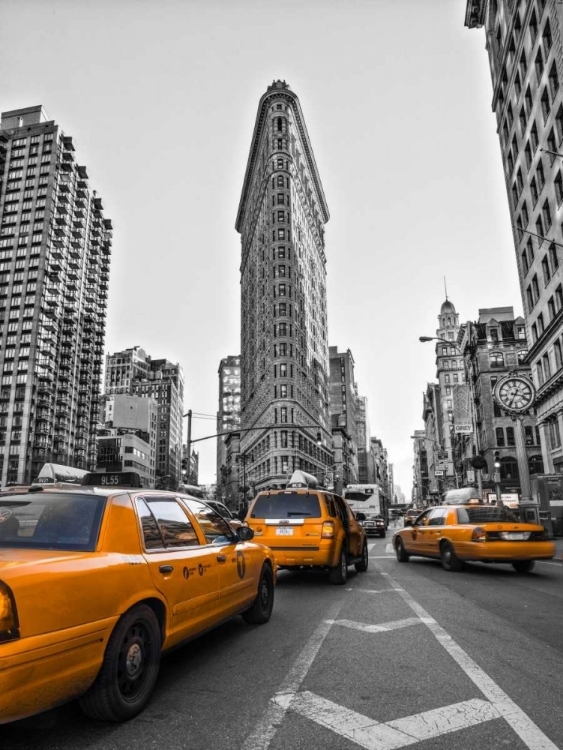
450, 561
362, 566
524, 566
129, 670
261, 609
400, 551
382, 535
339, 574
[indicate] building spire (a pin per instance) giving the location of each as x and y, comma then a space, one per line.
445, 288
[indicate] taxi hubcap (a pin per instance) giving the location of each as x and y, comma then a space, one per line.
134, 660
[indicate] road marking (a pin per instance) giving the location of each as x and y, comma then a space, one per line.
373, 735
267, 727
389, 549
383, 627
529, 733
373, 591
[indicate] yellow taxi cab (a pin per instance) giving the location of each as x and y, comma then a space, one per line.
97, 581
307, 526
473, 531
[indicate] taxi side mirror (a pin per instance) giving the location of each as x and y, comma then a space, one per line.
245, 533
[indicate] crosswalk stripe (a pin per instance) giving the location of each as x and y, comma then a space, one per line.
373, 735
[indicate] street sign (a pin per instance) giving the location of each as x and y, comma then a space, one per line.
442, 455
464, 428
439, 473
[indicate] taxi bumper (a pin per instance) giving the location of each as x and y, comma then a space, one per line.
41, 672
311, 556
501, 551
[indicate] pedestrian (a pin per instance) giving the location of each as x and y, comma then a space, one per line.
242, 511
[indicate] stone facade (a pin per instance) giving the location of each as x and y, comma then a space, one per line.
284, 337
525, 47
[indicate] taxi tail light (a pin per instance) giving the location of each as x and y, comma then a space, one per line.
538, 536
478, 535
8, 614
327, 531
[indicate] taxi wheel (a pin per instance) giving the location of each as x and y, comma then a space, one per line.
362, 566
262, 606
450, 561
129, 669
400, 551
339, 574
524, 566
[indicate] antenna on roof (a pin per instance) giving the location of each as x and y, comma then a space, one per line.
445, 287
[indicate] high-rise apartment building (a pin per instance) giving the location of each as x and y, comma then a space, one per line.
524, 41
55, 248
284, 340
343, 410
363, 439
228, 414
134, 372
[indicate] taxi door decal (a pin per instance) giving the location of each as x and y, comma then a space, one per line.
241, 565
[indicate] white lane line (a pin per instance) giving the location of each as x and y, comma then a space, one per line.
525, 728
389, 549
373, 591
383, 627
267, 727
372, 735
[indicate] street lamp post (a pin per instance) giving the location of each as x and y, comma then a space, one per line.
468, 379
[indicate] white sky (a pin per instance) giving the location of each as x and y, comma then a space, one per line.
161, 96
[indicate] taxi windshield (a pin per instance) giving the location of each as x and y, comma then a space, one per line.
286, 505
51, 521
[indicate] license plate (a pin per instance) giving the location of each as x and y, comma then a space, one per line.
284, 532
514, 536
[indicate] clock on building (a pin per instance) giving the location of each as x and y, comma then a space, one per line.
515, 393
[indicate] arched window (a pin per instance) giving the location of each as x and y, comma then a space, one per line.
509, 468
496, 359
535, 464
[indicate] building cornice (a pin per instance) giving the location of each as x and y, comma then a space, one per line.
279, 93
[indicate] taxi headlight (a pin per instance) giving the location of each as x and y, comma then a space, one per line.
8, 614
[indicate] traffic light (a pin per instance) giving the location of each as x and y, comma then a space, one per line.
497, 460
319, 438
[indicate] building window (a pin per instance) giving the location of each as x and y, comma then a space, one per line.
547, 38
525, 267
534, 137
499, 432
545, 269
496, 359
546, 213
539, 65
558, 357
533, 27
545, 105
554, 434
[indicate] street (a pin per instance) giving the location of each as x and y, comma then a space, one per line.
403, 655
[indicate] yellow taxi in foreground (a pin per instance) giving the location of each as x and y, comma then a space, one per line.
479, 532
97, 582
306, 526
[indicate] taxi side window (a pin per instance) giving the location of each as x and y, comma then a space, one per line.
462, 515
213, 525
330, 504
437, 517
165, 524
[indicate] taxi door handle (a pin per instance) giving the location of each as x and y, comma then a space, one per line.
166, 569
221, 558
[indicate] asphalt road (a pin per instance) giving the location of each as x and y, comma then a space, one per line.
403, 655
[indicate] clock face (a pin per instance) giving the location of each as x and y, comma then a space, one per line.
516, 394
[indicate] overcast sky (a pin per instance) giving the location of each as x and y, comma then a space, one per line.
160, 97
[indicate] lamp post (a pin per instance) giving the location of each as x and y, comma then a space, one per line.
468, 379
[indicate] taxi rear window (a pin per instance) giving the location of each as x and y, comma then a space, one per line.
51, 521
286, 505
485, 514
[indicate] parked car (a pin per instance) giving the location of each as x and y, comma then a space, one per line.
97, 581
309, 528
475, 532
